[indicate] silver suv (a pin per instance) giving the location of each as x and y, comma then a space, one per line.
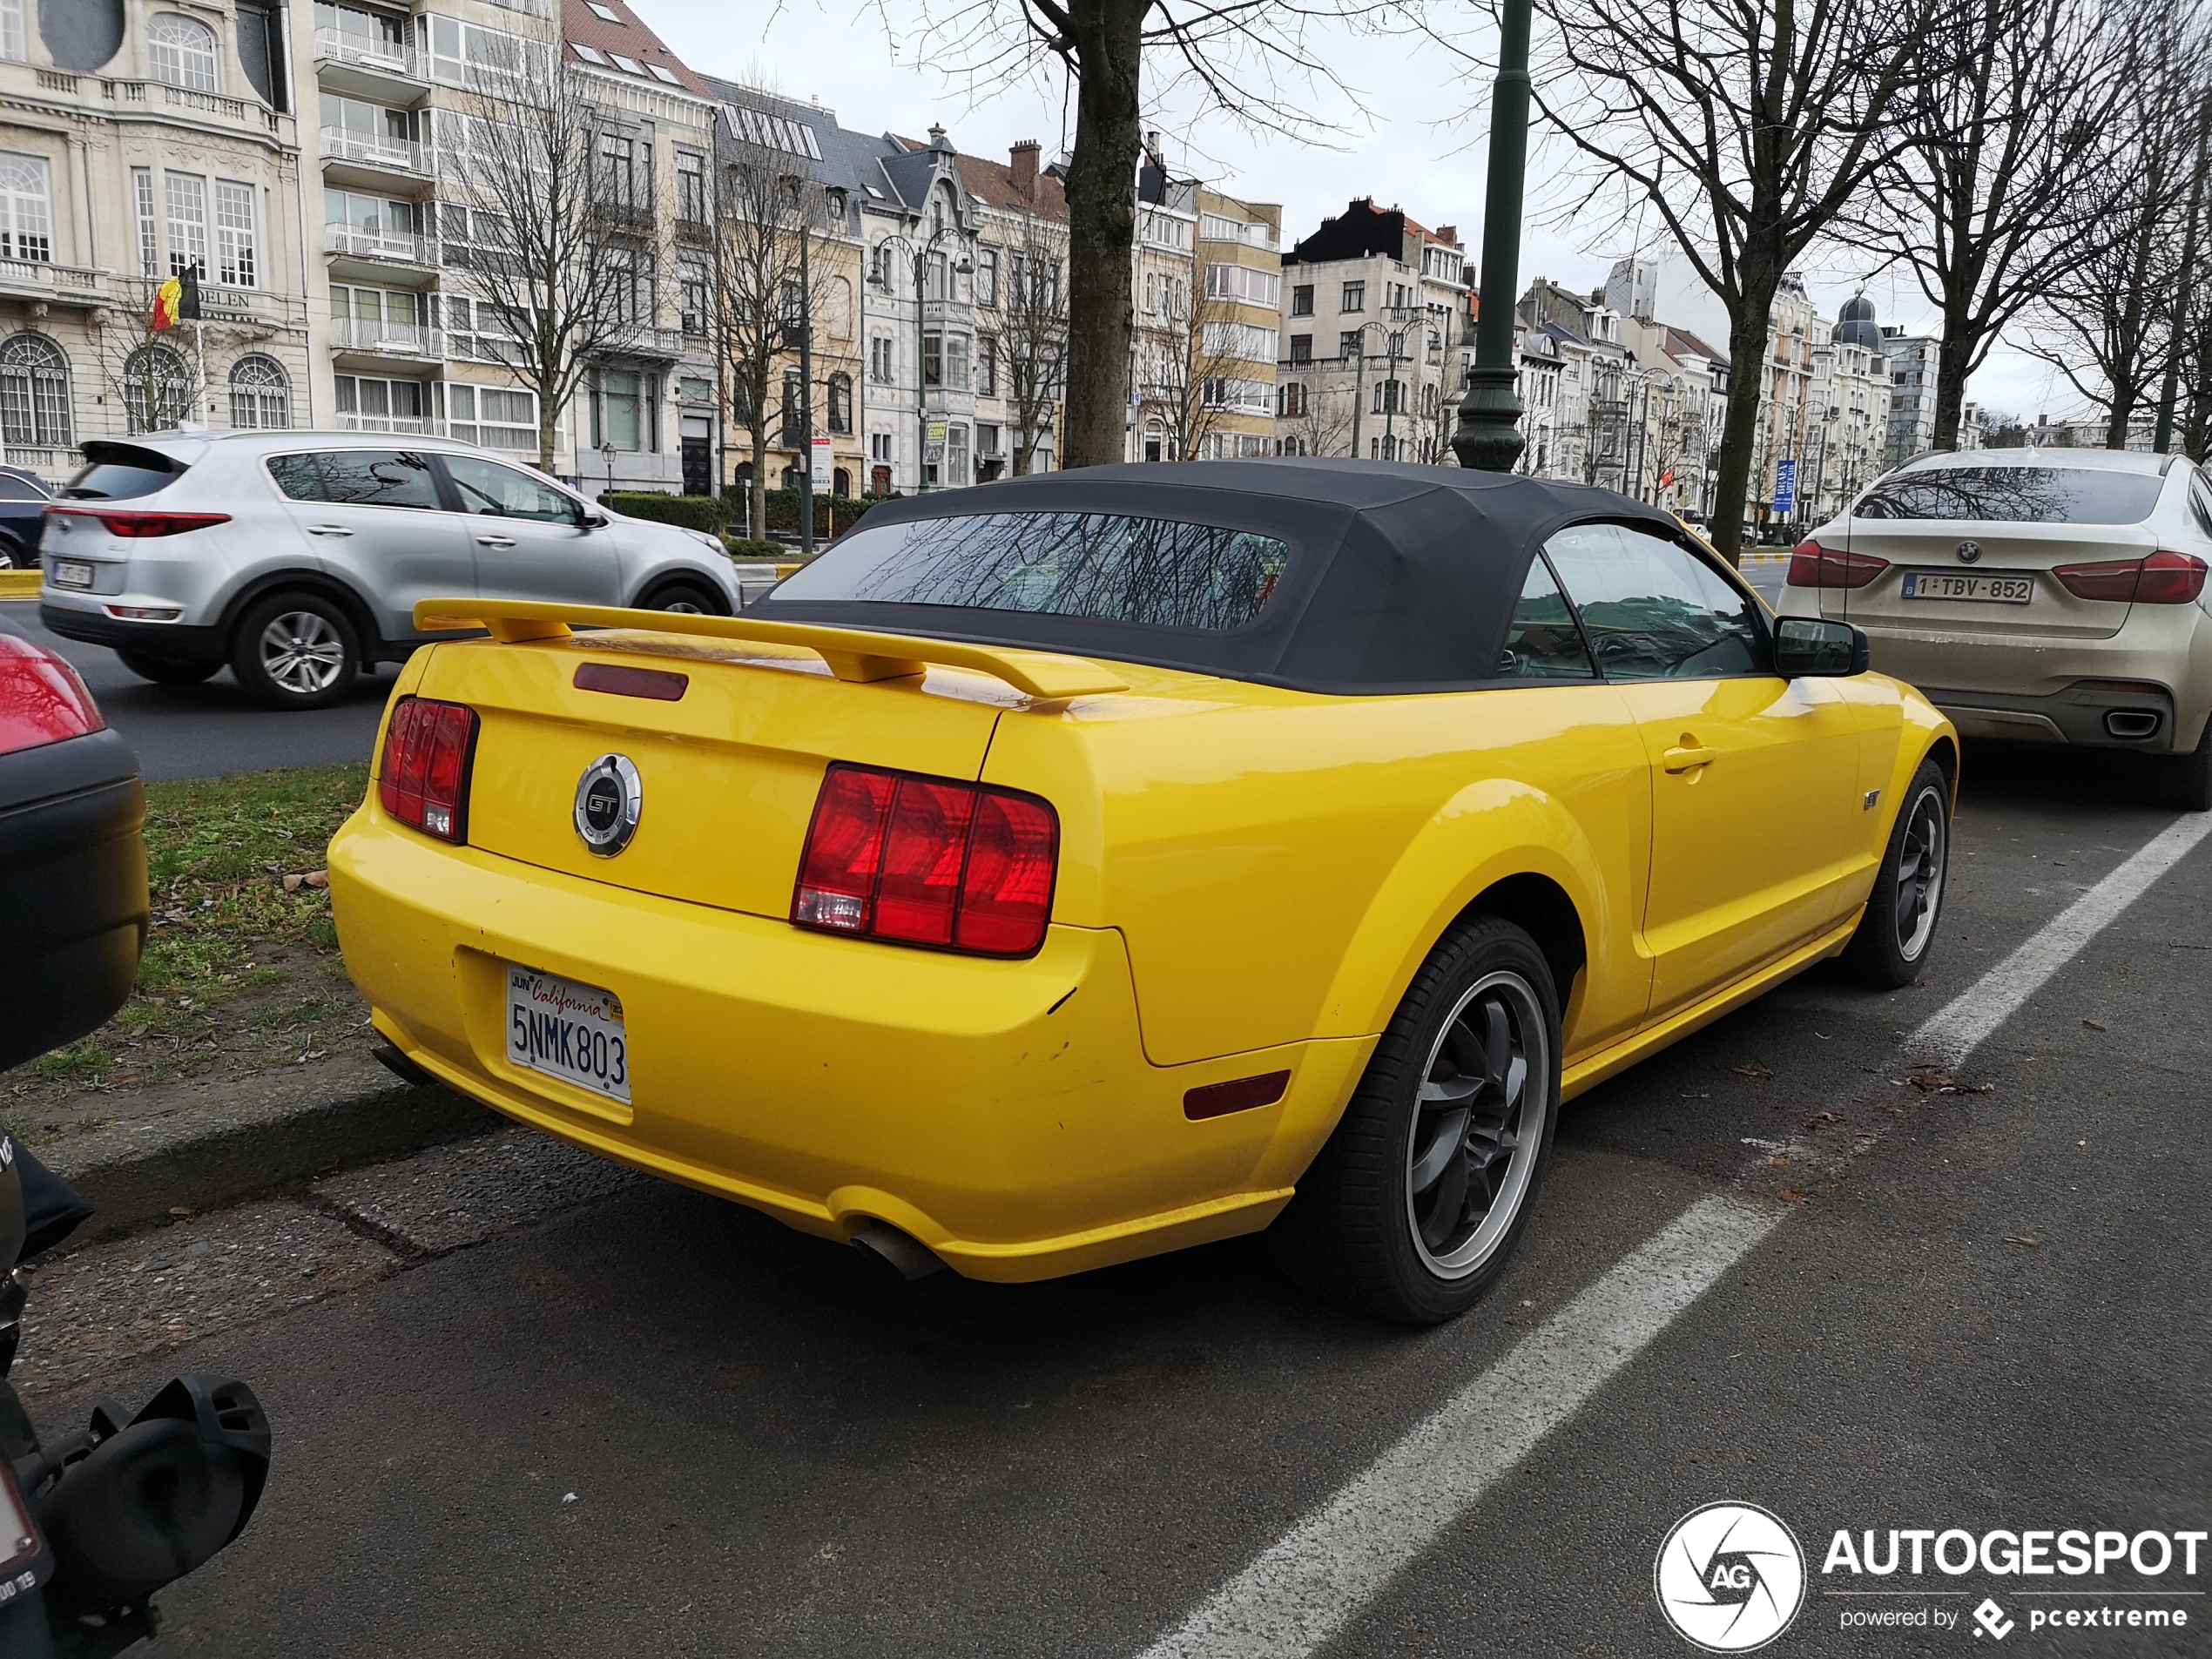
297, 557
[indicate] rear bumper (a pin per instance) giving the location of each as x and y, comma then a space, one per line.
72, 889
1002, 1113
2095, 714
89, 623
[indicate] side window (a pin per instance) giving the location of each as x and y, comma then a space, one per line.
375, 478
1543, 643
297, 477
1651, 609
486, 486
14, 489
2201, 499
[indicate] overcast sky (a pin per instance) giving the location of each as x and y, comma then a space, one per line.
1414, 148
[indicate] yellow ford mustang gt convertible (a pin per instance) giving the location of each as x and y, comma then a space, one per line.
1098, 863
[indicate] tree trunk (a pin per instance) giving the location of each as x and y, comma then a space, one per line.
1955, 361
1102, 228
757, 493
1747, 367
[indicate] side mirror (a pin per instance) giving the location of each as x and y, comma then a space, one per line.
592, 519
1805, 646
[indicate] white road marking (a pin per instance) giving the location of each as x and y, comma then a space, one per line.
1303, 1588
1965, 1022
1306, 1586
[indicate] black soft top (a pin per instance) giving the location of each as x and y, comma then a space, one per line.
1401, 577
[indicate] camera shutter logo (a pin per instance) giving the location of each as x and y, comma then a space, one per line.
1729, 1577
609, 798
1969, 552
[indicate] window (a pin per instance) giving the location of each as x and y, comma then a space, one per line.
261, 392
627, 65
375, 215
2015, 495
1242, 282
879, 265
772, 132
34, 394
180, 51
358, 478
662, 72
1348, 343
691, 291
235, 248
933, 359
1390, 397
1302, 300
157, 389
371, 404
621, 423
363, 32
11, 30
1155, 571
956, 370
1242, 340
986, 277
26, 217
605, 14
589, 54
880, 446
187, 196
840, 402
492, 416
880, 351
625, 172
1301, 348
1542, 642
955, 453
490, 490
464, 55
1231, 392
691, 188
476, 331
1291, 398
142, 199
2201, 501
1651, 609
1355, 297
987, 366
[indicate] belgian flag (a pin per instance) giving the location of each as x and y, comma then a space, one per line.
176, 298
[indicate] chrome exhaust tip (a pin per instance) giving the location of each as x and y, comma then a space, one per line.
2132, 724
902, 1253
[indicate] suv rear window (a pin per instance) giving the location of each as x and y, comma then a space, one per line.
2015, 496
119, 471
1157, 571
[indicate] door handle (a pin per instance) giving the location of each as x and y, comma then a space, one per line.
328, 530
1688, 758
495, 541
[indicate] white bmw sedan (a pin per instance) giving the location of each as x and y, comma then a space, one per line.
2055, 595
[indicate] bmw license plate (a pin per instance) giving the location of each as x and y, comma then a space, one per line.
566, 1030
1999, 587
72, 573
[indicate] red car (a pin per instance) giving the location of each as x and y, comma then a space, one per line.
72, 856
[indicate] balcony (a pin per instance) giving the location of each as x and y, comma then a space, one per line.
38, 279
233, 112
405, 425
402, 247
636, 217
374, 150
378, 57
642, 340
51, 464
388, 339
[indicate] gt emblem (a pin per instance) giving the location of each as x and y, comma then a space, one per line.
1969, 551
608, 799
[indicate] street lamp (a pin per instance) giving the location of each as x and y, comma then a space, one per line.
1488, 437
1393, 357
919, 252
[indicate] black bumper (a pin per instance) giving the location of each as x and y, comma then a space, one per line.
165, 639
72, 889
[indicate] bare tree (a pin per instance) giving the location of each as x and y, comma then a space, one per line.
1317, 418
1183, 369
546, 202
1991, 200
1747, 127
1028, 331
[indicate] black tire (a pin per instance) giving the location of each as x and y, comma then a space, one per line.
296, 651
12, 556
2183, 782
1416, 1202
692, 597
1897, 934
166, 670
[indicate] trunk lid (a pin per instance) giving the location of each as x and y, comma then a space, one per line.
2031, 551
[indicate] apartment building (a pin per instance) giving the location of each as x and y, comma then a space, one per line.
1911, 362
137, 139
1376, 337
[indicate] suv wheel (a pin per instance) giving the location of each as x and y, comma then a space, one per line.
295, 651
166, 671
689, 598
2184, 781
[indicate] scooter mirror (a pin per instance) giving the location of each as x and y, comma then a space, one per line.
11, 1221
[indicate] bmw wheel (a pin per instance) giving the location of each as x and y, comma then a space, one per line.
2184, 781
1416, 1202
295, 651
1894, 937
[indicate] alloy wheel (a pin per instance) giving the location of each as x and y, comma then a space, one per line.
302, 652
1479, 1125
1920, 855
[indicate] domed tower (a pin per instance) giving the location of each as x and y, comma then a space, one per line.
1855, 324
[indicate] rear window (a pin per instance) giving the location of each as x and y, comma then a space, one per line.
2015, 496
1158, 571
119, 471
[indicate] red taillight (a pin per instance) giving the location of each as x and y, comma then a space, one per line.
2162, 579
42, 700
131, 522
928, 861
424, 779
1814, 566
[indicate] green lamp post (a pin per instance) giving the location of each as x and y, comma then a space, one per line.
1488, 437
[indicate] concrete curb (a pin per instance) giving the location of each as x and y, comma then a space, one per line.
133, 1174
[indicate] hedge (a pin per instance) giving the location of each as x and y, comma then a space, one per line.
693, 512
842, 511
717, 514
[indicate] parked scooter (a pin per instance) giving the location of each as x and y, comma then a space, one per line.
93, 1525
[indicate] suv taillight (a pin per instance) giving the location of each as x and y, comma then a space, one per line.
133, 523
424, 779
2162, 579
928, 861
1814, 566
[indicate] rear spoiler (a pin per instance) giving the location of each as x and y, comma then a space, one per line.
851, 653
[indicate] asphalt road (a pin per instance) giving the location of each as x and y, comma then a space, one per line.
211, 730
642, 1421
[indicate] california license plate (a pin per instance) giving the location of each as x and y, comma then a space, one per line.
72, 573
566, 1030
1997, 588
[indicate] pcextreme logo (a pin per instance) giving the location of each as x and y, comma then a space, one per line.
1729, 1577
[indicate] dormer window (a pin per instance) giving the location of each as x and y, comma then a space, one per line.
181, 52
